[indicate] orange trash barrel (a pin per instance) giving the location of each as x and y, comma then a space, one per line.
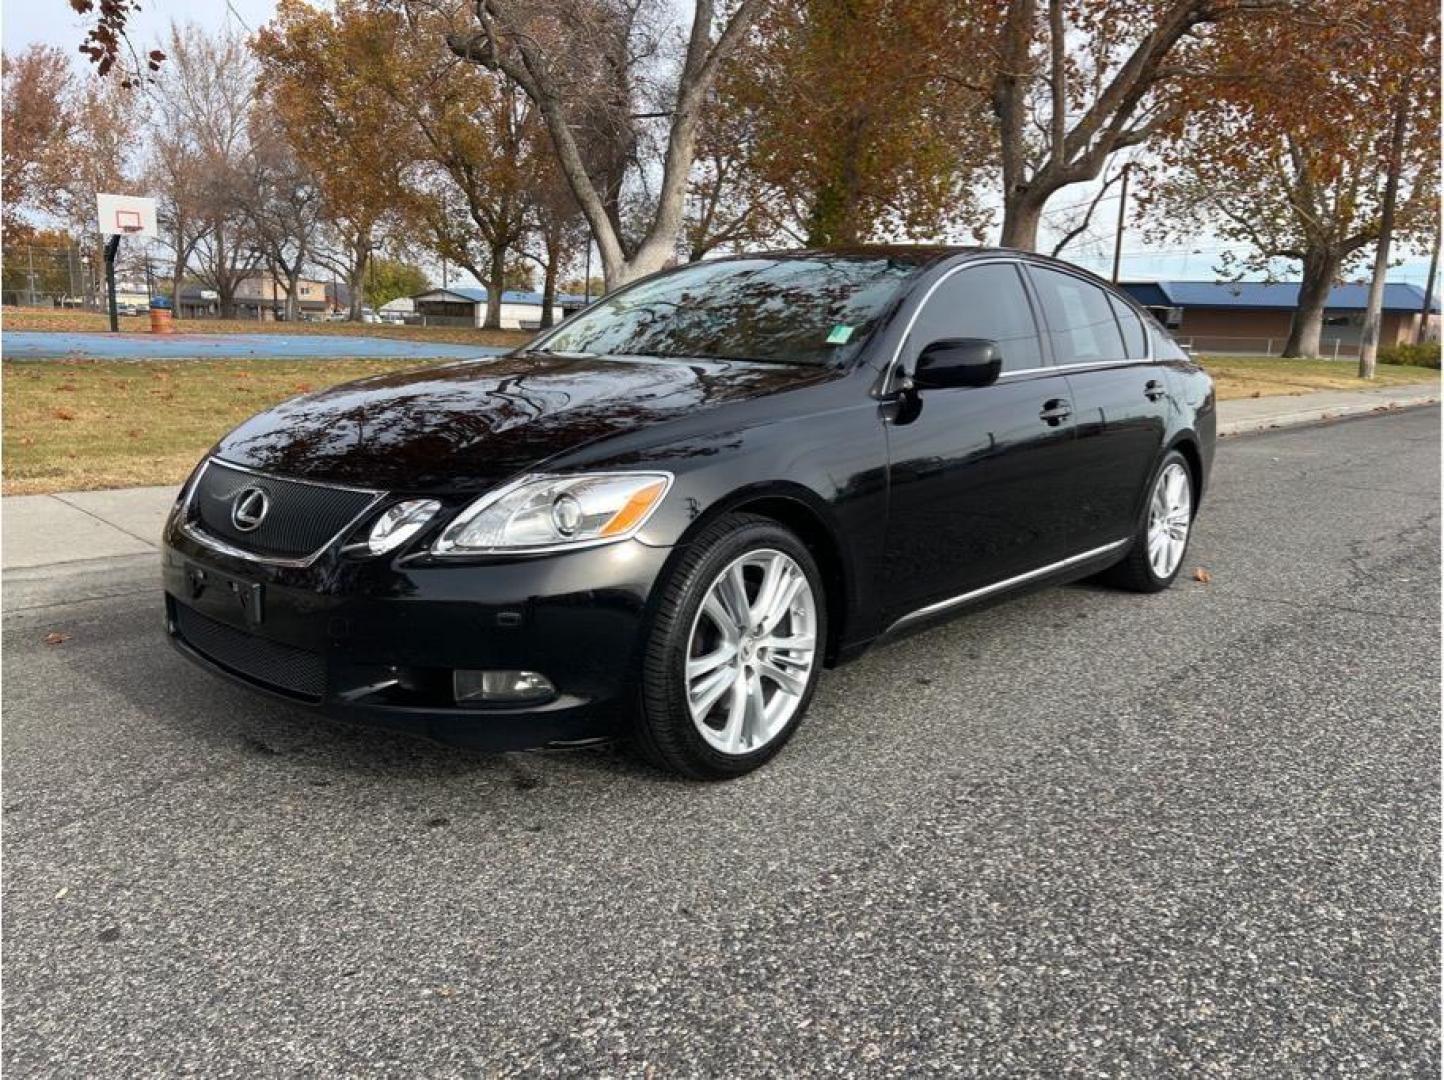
160, 316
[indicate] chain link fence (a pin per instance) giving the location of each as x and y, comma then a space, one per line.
52, 276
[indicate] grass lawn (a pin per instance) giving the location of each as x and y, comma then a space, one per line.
74, 426
77, 425
18, 318
1250, 377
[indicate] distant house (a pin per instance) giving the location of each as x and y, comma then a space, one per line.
198, 303
1254, 316
467, 307
263, 298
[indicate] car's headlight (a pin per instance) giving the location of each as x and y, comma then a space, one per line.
544, 512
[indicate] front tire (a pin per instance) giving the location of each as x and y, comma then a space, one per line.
1161, 538
734, 650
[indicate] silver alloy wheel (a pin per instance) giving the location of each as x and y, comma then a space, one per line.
1170, 512
751, 651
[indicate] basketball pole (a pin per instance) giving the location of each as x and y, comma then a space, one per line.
111, 247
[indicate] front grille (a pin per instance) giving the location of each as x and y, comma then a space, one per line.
280, 667
302, 519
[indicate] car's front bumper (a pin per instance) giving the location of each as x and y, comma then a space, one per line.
377, 641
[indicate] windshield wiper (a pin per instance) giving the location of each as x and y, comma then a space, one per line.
565, 354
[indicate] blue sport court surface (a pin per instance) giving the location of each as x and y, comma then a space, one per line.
50, 345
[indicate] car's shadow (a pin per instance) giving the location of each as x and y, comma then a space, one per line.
195, 706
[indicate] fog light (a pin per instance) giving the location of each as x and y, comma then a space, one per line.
497, 686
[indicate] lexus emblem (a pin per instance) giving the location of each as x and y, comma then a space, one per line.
250, 509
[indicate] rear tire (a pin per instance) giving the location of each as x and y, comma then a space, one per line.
733, 652
1160, 540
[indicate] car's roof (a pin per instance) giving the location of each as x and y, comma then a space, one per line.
915, 254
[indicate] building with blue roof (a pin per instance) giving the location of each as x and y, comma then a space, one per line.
467, 307
1253, 317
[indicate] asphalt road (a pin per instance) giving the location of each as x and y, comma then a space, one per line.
1081, 833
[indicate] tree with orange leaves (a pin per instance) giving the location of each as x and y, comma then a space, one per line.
316, 75
850, 122
1290, 161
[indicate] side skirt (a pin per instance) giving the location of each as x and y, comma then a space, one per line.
942, 607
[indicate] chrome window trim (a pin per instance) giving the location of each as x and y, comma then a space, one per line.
295, 563
1080, 366
999, 586
890, 372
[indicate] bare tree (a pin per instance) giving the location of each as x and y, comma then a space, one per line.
283, 205
558, 51
205, 94
174, 176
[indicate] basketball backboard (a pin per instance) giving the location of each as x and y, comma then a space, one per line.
126, 215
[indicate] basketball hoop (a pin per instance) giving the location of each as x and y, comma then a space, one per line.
126, 215
120, 216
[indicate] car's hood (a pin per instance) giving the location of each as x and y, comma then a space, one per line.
468, 425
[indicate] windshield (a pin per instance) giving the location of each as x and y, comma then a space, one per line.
795, 310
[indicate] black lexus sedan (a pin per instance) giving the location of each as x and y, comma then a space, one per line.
662, 519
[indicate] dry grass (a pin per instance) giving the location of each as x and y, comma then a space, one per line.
77, 425
19, 318
1250, 377
73, 426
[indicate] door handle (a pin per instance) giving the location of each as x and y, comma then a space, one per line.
1153, 390
1055, 411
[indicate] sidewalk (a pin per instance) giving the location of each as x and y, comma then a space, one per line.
76, 526
1248, 415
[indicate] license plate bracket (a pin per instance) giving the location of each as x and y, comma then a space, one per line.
224, 595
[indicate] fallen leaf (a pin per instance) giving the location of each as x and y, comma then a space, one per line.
1202, 575
55, 637
63, 414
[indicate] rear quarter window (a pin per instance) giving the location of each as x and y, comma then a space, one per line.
1135, 342
1080, 318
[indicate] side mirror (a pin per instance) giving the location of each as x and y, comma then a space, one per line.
958, 362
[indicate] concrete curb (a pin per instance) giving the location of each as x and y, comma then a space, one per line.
1310, 410
81, 529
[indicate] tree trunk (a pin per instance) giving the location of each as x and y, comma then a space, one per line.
293, 301
1321, 268
1373, 314
495, 285
1022, 214
1421, 333
549, 283
356, 279
177, 278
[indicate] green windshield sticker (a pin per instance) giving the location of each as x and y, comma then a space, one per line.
839, 334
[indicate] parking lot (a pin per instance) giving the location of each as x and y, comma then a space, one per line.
1083, 832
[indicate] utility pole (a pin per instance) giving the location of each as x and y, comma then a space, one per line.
1421, 334
1373, 314
1122, 209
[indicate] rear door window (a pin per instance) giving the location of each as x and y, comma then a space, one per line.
983, 302
1134, 344
1079, 316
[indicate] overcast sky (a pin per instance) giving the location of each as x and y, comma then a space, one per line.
53, 22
